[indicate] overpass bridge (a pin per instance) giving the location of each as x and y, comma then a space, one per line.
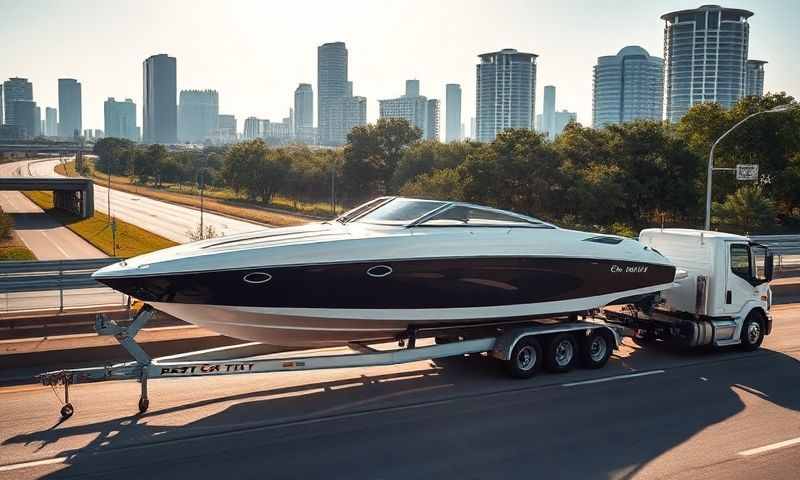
75, 195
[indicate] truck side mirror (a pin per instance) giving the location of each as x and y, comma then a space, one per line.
768, 267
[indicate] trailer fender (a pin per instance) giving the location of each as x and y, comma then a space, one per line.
506, 342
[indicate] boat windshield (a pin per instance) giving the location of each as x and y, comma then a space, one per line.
362, 209
399, 211
468, 215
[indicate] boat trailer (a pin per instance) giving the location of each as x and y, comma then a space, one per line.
239, 359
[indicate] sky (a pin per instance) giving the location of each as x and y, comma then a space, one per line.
254, 53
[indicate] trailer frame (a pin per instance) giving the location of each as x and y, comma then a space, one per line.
229, 360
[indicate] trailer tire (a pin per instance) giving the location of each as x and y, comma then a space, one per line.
66, 411
561, 353
525, 358
752, 331
596, 349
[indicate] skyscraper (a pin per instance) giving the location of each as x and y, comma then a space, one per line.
346, 113
418, 110
505, 92
303, 107
754, 77
627, 86
25, 117
431, 131
160, 113
332, 87
412, 88
226, 129
69, 107
705, 50
51, 122
549, 111
198, 112
120, 119
15, 89
452, 112
37, 121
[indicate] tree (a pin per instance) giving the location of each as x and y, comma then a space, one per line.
241, 162
372, 154
445, 184
745, 211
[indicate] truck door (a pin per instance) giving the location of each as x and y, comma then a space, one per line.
739, 286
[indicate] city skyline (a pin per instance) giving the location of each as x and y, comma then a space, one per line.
257, 88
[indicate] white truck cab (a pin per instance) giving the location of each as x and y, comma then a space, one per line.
726, 288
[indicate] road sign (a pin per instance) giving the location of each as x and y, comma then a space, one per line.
746, 171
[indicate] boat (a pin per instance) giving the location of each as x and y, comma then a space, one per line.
388, 267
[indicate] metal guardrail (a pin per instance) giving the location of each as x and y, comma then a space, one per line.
779, 244
31, 276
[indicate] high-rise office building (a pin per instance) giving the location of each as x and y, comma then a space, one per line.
51, 122
160, 112
252, 128
452, 112
69, 108
431, 131
304, 131
198, 112
562, 119
346, 113
418, 110
754, 77
627, 86
15, 89
412, 88
549, 111
25, 118
537, 123
120, 119
226, 129
705, 50
37, 121
505, 92
332, 87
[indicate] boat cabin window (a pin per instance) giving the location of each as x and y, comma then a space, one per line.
400, 211
461, 215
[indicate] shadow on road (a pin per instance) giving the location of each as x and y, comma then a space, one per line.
459, 418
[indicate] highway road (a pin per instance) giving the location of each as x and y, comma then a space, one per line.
44, 236
650, 414
171, 221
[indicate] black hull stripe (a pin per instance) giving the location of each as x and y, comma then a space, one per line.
411, 284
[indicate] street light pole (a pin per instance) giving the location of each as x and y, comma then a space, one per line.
778, 109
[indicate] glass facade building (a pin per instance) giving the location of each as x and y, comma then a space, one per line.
453, 112
754, 78
69, 108
627, 86
160, 110
120, 119
505, 92
705, 50
15, 89
198, 112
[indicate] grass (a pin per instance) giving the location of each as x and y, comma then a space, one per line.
11, 246
223, 201
8, 253
131, 240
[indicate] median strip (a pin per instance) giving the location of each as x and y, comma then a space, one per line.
131, 239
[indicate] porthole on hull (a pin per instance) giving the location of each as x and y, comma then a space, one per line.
257, 277
379, 271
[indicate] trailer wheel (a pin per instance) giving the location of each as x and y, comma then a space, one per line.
66, 411
562, 349
596, 349
752, 331
144, 404
525, 358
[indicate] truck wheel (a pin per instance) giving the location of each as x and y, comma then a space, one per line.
562, 349
596, 349
525, 358
752, 332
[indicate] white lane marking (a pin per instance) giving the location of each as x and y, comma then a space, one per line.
611, 379
36, 463
773, 446
55, 244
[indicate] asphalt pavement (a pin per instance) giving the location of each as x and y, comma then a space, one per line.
171, 221
651, 413
44, 236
